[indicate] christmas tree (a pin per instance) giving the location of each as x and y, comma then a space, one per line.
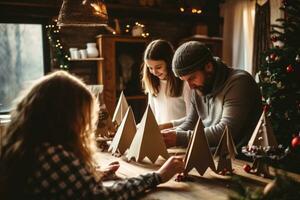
280, 74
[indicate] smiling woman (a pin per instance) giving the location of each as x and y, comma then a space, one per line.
21, 55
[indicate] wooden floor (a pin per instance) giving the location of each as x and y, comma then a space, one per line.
210, 186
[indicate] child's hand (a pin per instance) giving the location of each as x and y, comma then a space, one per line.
171, 167
110, 170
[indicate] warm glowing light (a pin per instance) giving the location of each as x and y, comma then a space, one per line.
194, 10
99, 9
199, 11
182, 9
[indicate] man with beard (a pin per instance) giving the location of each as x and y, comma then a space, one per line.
220, 96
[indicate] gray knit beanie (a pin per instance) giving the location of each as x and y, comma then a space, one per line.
189, 57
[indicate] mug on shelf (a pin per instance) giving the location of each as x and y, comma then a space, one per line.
83, 53
74, 53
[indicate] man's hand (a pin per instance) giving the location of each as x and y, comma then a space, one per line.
169, 136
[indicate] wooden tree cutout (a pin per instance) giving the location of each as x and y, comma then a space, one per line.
121, 109
198, 154
263, 133
124, 135
225, 152
262, 136
148, 141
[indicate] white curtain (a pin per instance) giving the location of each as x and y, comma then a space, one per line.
275, 11
238, 33
239, 29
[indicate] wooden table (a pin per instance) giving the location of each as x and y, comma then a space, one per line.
210, 186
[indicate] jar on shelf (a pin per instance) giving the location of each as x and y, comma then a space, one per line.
92, 51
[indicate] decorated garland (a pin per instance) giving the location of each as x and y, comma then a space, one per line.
61, 57
281, 188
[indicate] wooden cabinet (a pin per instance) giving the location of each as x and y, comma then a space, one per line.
119, 70
86, 69
214, 43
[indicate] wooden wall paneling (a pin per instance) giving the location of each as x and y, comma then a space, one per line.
108, 45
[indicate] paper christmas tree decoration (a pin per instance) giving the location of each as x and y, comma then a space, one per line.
121, 109
262, 137
124, 135
198, 154
263, 133
225, 152
148, 141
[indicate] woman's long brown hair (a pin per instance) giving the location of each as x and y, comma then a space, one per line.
160, 50
60, 110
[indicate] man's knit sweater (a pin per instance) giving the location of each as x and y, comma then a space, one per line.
235, 100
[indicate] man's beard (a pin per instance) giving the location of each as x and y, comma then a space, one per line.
206, 88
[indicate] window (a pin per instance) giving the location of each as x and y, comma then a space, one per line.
22, 60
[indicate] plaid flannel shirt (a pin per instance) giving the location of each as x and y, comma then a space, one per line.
60, 175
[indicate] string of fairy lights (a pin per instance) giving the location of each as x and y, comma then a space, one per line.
61, 57
135, 29
139, 27
192, 10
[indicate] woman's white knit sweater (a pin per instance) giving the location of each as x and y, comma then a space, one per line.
170, 109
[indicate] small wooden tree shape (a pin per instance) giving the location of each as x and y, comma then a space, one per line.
225, 152
198, 154
124, 135
121, 109
263, 133
262, 136
148, 141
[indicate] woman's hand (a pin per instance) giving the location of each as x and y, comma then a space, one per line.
165, 126
172, 166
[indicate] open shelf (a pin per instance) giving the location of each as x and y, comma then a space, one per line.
87, 59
